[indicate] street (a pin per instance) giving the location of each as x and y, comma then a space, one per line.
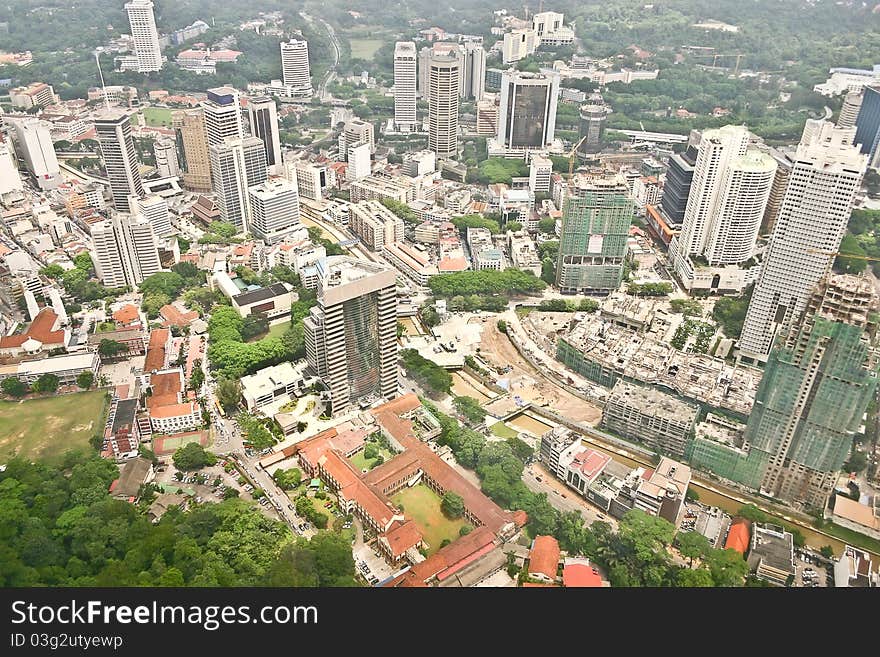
561, 497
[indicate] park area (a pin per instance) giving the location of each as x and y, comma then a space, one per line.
45, 429
361, 462
364, 48
157, 117
164, 445
423, 505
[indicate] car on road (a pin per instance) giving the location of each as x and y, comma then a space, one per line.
538, 479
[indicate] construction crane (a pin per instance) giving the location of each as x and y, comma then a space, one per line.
854, 256
572, 155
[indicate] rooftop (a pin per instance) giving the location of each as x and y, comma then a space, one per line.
653, 402
544, 557
262, 294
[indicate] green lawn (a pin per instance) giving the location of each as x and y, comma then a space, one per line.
503, 431
361, 462
157, 116
278, 330
364, 48
44, 429
852, 537
423, 505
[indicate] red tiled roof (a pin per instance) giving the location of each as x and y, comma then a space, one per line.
739, 536
579, 575
172, 410
544, 556
40, 329
174, 317
538, 585
127, 314
590, 463
455, 556
155, 359
452, 264
166, 387
402, 536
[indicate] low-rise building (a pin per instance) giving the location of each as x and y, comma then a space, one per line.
376, 225
273, 385
378, 187
523, 252
169, 409
771, 556
862, 518
66, 368
544, 559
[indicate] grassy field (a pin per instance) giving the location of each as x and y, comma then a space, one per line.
503, 431
364, 48
423, 505
361, 462
44, 429
278, 330
157, 116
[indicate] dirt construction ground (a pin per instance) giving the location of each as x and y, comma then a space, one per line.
528, 383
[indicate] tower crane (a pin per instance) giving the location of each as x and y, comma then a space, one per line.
573, 154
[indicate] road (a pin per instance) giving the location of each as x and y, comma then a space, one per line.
560, 497
321, 91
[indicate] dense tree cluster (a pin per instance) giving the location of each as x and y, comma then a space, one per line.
567, 305
477, 221
470, 408
434, 379
730, 313
485, 282
192, 456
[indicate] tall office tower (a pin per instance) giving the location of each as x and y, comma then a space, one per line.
165, 151
591, 124
124, 250
120, 157
527, 113
351, 335
34, 142
487, 117
192, 149
868, 124
819, 379
144, 35
777, 189
473, 70
595, 227
237, 164
405, 58
222, 112
263, 119
824, 179
444, 70
358, 161
295, 66
154, 209
356, 132
679, 178
274, 210
726, 204
849, 111
424, 69
311, 180
518, 44
547, 22
10, 180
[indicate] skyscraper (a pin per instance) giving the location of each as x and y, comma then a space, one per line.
165, 151
729, 193
825, 176
595, 227
120, 157
144, 35
124, 250
358, 161
527, 114
222, 112
679, 178
849, 111
295, 66
356, 131
405, 86
263, 119
868, 124
444, 69
350, 336
192, 149
473, 70
154, 209
591, 124
9, 179
274, 206
34, 143
817, 384
237, 164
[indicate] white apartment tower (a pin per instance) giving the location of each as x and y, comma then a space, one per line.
144, 35
358, 161
222, 112
34, 142
237, 164
274, 208
726, 203
263, 120
124, 250
120, 157
473, 70
165, 151
825, 176
154, 209
10, 180
351, 335
295, 66
405, 58
444, 71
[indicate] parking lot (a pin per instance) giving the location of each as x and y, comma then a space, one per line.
812, 571
367, 562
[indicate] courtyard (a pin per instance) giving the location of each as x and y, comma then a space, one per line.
423, 505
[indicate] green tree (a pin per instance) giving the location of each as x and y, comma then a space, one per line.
13, 387
253, 325
692, 545
827, 551
228, 393
85, 379
728, 567
452, 504
470, 408
854, 265
111, 348
46, 383
192, 456
694, 578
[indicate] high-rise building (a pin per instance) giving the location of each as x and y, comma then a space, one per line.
263, 119
817, 384
728, 196
868, 124
824, 179
120, 157
355, 132
473, 70
777, 189
144, 35
595, 227
295, 66
154, 209
405, 58
10, 180
849, 111
547, 22
487, 117
124, 250
351, 335
237, 164
444, 71
165, 151
192, 149
527, 112
518, 44
274, 207
358, 161
222, 112
34, 142
540, 170
376, 225
679, 178
312, 180
591, 124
